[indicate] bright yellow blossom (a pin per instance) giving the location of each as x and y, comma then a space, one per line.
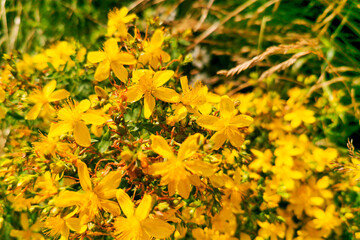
111, 58
138, 225
177, 173
74, 117
117, 20
92, 199
150, 86
153, 54
61, 226
28, 233
43, 98
227, 125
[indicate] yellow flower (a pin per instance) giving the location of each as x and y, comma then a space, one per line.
43, 98
177, 173
299, 115
74, 118
137, 225
192, 100
94, 198
326, 219
50, 145
27, 233
227, 126
117, 20
111, 58
153, 54
272, 230
56, 226
150, 86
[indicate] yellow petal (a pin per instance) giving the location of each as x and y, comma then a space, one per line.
49, 88
240, 121
166, 95
161, 77
125, 58
58, 95
143, 210
84, 176
108, 183
83, 106
102, 71
158, 228
184, 84
199, 167
190, 146
69, 198
210, 122
236, 137
95, 57
111, 207
2, 95
111, 47
57, 129
75, 224
183, 187
157, 39
226, 107
165, 57
24, 221
161, 147
93, 118
82, 134
34, 112
134, 93
149, 105
120, 71
218, 139
127, 206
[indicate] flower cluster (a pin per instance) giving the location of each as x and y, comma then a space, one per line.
161, 159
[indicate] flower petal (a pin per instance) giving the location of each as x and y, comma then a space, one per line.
144, 208
218, 139
57, 129
119, 71
161, 147
84, 176
190, 146
226, 107
58, 95
199, 167
102, 71
49, 88
157, 39
236, 137
240, 121
83, 106
107, 184
93, 118
82, 134
125, 58
134, 93
34, 112
149, 105
166, 95
127, 206
210, 122
95, 57
111, 207
158, 228
161, 77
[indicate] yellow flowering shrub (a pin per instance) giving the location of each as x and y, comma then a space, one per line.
163, 158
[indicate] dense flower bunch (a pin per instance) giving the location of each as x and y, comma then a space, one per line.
162, 158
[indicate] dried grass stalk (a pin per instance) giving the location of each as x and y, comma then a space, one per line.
281, 49
283, 65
